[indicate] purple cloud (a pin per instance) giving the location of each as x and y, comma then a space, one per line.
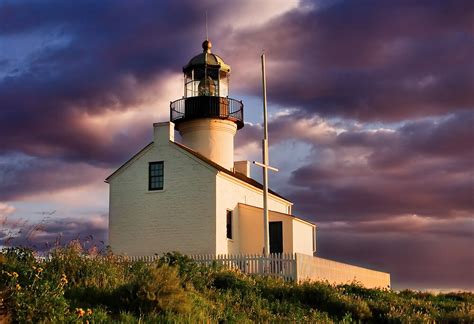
52, 232
366, 60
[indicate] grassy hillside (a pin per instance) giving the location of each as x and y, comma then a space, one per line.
77, 288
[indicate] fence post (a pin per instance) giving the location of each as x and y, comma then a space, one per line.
295, 268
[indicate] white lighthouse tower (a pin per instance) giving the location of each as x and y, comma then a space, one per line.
206, 117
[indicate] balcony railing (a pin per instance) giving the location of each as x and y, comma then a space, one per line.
207, 107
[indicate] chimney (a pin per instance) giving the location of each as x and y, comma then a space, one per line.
242, 167
163, 133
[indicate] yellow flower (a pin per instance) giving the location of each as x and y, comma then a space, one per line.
18, 287
89, 311
63, 279
80, 312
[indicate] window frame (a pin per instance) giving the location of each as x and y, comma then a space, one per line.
229, 212
150, 176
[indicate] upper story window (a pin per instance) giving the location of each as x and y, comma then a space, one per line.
155, 175
229, 224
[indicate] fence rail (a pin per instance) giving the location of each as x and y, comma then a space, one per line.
282, 265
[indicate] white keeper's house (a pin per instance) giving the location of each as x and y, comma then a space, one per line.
192, 196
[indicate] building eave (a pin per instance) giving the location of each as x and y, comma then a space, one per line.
129, 161
234, 175
282, 214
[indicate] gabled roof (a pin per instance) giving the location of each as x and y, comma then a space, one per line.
201, 157
237, 175
128, 161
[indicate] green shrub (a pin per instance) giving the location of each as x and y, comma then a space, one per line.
88, 271
74, 287
30, 293
200, 276
161, 290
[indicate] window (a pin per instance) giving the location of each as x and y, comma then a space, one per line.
229, 224
155, 175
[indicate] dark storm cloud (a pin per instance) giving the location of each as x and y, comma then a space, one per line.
107, 52
451, 137
423, 167
369, 60
22, 176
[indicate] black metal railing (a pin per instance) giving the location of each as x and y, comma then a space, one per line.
207, 107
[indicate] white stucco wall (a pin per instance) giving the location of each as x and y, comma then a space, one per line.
213, 138
310, 268
303, 237
229, 193
181, 217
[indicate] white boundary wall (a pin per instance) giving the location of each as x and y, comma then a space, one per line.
311, 268
296, 266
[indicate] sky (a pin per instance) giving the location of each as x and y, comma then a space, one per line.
371, 117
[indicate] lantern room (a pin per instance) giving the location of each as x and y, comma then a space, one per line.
206, 91
206, 74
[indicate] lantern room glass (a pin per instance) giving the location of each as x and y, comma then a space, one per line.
206, 81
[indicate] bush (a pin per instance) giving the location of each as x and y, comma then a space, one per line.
29, 293
161, 290
75, 287
191, 272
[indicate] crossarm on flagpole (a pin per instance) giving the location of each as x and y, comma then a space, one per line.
265, 166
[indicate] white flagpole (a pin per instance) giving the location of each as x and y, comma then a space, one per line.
266, 239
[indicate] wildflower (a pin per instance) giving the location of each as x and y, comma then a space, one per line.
89, 311
80, 312
14, 274
39, 270
63, 280
18, 287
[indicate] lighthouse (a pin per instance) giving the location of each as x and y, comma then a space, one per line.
206, 117
190, 196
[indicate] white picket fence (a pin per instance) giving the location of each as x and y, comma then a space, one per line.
281, 265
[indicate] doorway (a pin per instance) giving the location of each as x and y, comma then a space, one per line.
276, 237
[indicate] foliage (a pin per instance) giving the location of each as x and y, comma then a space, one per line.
76, 287
160, 290
29, 289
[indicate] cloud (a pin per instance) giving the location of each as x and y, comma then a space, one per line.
365, 60
336, 59
422, 167
22, 176
55, 231
461, 226
415, 260
5, 211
